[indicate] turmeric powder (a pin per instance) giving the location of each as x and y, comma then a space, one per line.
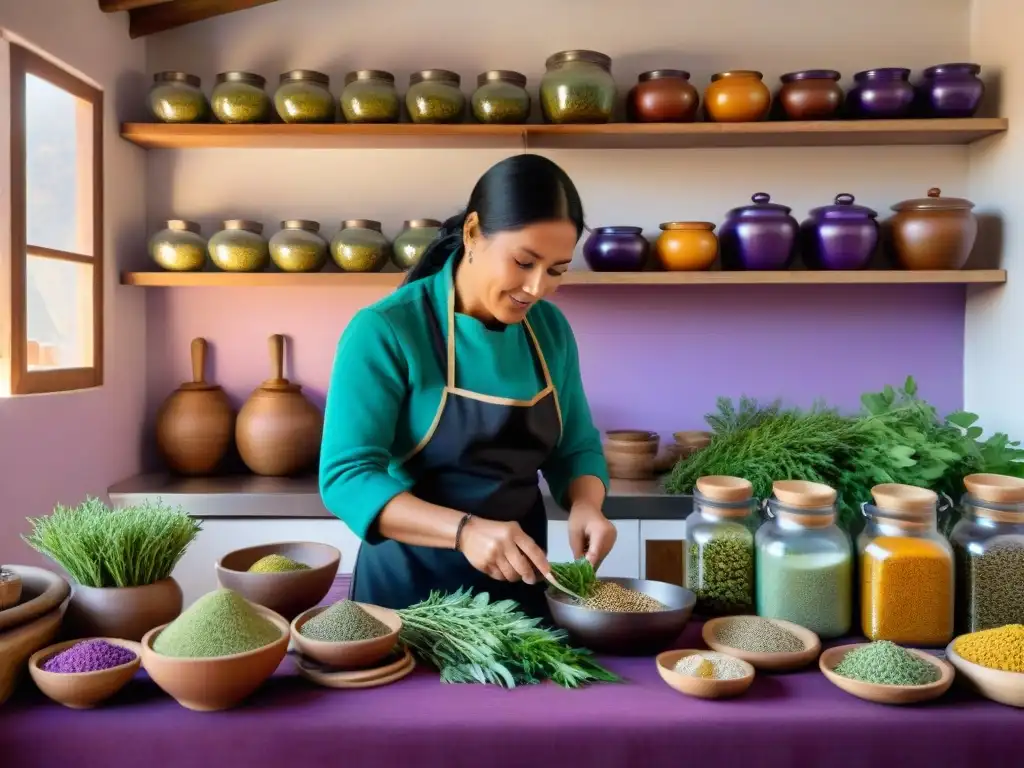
1000, 648
907, 591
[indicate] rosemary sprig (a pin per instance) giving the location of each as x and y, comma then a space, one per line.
577, 576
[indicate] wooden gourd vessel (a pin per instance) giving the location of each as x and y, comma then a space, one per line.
278, 430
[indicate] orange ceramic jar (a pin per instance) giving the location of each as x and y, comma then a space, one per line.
739, 96
687, 246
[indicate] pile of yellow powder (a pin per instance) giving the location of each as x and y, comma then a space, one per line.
276, 564
1001, 648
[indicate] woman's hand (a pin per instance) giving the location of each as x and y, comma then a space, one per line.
590, 533
503, 551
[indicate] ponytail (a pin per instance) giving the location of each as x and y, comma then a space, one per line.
445, 244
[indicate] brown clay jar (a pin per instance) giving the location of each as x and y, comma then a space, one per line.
127, 613
813, 94
933, 232
663, 96
739, 96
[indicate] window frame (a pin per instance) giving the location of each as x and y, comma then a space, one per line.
23, 62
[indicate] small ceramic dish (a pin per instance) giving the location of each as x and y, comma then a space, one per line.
355, 654
768, 662
83, 690
885, 694
994, 684
384, 674
700, 687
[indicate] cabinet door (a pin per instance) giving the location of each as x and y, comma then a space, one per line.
661, 550
624, 559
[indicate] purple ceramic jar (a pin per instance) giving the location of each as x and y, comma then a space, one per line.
616, 249
839, 236
950, 90
762, 236
881, 94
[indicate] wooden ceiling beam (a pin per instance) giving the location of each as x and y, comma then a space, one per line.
113, 6
178, 13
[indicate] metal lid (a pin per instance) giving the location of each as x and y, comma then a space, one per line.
617, 230
934, 202
361, 224
183, 225
369, 74
501, 76
660, 74
884, 73
305, 75
706, 226
810, 74
435, 75
957, 68
250, 226
843, 208
306, 224
762, 207
737, 73
250, 78
420, 223
177, 77
593, 57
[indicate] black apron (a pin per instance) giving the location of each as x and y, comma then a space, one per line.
481, 456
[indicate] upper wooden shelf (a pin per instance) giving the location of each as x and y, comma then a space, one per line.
611, 136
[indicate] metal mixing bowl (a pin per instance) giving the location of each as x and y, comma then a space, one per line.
625, 634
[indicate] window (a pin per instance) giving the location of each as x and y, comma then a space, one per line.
56, 223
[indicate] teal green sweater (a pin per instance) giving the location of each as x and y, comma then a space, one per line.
386, 385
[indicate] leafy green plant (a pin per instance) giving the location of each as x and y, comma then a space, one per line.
577, 576
103, 547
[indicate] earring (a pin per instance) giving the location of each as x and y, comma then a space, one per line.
470, 257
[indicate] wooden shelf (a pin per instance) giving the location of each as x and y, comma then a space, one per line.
572, 278
611, 136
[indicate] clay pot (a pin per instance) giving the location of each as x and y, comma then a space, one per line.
687, 245
839, 236
278, 430
933, 232
881, 94
616, 249
814, 94
739, 96
762, 236
631, 454
663, 96
195, 425
950, 90
123, 612
10, 589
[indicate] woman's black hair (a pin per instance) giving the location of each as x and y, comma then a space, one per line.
512, 194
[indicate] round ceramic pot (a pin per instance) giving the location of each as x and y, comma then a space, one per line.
501, 97
577, 87
179, 247
360, 246
304, 96
663, 96
933, 232
416, 235
123, 612
240, 247
950, 90
839, 236
177, 97
370, 96
616, 249
687, 246
435, 96
239, 97
739, 96
298, 247
762, 236
880, 94
814, 94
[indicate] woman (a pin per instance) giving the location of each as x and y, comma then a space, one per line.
448, 396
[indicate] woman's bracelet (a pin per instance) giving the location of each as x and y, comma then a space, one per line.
458, 531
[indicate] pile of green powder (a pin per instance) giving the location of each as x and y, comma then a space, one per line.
886, 663
757, 635
344, 622
276, 564
220, 623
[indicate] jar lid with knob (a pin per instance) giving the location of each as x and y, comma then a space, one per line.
934, 202
843, 207
762, 208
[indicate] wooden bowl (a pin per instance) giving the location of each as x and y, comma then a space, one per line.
41, 592
83, 690
698, 686
769, 662
995, 684
885, 694
220, 682
354, 654
17, 646
691, 441
288, 593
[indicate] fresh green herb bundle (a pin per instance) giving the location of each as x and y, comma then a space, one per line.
469, 639
577, 576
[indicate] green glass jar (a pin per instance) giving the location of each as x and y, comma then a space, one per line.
409, 246
239, 97
578, 87
304, 96
177, 97
501, 97
240, 247
298, 247
179, 247
435, 96
360, 246
370, 96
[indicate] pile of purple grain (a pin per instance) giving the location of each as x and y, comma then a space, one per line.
88, 656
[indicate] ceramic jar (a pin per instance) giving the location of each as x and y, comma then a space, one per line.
616, 249
577, 87
177, 97
687, 245
737, 97
409, 246
123, 612
501, 97
435, 96
933, 232
179, 247
950, 90
369, 96
304, 96
839, 236
360, 246
663, 96
239, 97
814, 94
298, 247
881, 94
240, 247
762, 236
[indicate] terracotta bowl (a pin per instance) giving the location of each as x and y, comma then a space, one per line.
769, 662
289, 593
698, 686
209, 685
631, 453
125, 612
691, 441
995, 684
41, 592
83, 690
355, 654
885, 694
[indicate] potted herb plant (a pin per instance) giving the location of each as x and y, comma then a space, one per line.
120, 561
10, 588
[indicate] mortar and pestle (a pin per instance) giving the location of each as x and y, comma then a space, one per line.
194, 426
278, 430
